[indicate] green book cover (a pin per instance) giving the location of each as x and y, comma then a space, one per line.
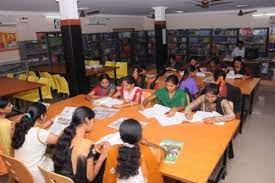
173, 149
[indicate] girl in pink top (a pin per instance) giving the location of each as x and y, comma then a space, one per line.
129, 93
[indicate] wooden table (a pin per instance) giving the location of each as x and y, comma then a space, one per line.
247, 86
11, 86
204, 145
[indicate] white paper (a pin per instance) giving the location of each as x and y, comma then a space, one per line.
199, 116
104, 112
113, 139
158, 112
107, 101
57, 128
116, 124
232, 75
200, 74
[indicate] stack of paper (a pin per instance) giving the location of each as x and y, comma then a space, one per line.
62, 120
107, 101
116, 124
104, 112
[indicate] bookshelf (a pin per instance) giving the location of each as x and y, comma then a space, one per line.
256, 38
223, 42
177, 42
141, 46
34, 52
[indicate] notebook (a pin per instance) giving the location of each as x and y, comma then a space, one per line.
173, 149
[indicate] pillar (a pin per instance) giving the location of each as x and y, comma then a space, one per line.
160, 37
73, 49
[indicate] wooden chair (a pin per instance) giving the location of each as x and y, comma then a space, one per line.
17, 170
51, 177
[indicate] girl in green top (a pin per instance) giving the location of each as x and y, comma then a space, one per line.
169, 96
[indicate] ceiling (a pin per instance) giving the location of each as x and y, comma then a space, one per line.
128, 7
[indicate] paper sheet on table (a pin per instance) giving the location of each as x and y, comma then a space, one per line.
67, 112
200, 74
104, 112
154, 111
107, 101
164, 120
59, 125
113, 139
116, 124
199, 116
232, 75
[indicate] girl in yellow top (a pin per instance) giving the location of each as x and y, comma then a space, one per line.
5, 132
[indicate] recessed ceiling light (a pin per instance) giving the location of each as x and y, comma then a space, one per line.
179, 11
241, 5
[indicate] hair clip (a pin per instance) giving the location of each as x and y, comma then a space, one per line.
128, 145
28, 115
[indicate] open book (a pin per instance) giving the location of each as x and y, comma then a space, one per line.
113, 139
107, 101
199, 116
232, 75
104, 112
62, 120
116, 124
173, 149
159, 112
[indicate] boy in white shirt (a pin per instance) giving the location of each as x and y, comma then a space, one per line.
239, 50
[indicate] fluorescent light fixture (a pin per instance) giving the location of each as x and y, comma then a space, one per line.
179, 11
53, 16
263, 14
241, 5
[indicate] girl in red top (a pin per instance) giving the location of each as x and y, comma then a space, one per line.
103, 89
130, 93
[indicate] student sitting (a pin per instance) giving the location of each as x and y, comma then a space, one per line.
170, 96
194, 63
210, 102
6, 130
139, 75
213, 65
133, 161
239, 68
30, 142
173, 64
228, 91
75, 156
188, 83
130, 93
103, 89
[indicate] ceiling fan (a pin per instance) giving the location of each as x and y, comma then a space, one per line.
208, 3
242, 13
86, 12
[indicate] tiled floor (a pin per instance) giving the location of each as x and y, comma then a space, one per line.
254, 149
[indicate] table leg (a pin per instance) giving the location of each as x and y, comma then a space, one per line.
115, 76
251, 102
230, 150
242, 114
40, 94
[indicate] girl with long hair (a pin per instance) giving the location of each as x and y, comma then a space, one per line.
30, 142
75, 156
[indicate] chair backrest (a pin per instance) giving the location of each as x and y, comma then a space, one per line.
31, 73
62, 85
33, 79
110, 63
94, 62
50, 77
17, 170
51, 177
46, 90
22, 76
122, 71
9, 75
